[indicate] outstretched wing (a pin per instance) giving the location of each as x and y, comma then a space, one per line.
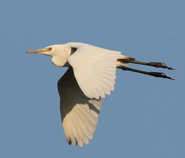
79, 113
94, 69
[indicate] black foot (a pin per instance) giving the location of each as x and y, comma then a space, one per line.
159, 65
159, 74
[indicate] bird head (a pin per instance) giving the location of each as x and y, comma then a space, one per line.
47, 51
59, 54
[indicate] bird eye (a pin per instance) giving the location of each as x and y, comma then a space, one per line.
49, 48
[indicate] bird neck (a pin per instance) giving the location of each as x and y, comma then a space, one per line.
60, 59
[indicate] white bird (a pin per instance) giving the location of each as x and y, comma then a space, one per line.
91, 75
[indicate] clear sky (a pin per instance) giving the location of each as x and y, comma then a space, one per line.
144, 117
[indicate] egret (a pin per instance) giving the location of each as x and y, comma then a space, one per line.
91, 75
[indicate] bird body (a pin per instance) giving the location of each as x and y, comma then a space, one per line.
91, 75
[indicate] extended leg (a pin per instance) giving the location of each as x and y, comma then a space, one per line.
156, 74
154, 64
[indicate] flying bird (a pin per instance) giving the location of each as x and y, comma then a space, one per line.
91, 75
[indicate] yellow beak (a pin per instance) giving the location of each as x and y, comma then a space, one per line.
40, 50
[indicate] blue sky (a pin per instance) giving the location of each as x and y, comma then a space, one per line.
143, 117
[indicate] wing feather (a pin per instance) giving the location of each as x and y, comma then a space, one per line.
78, 112
93, 66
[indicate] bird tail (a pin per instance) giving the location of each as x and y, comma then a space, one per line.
124, 60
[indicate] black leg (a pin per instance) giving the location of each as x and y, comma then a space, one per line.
156, 74
154, 64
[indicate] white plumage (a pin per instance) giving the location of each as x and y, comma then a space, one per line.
94, 69
79, 113
91, 75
